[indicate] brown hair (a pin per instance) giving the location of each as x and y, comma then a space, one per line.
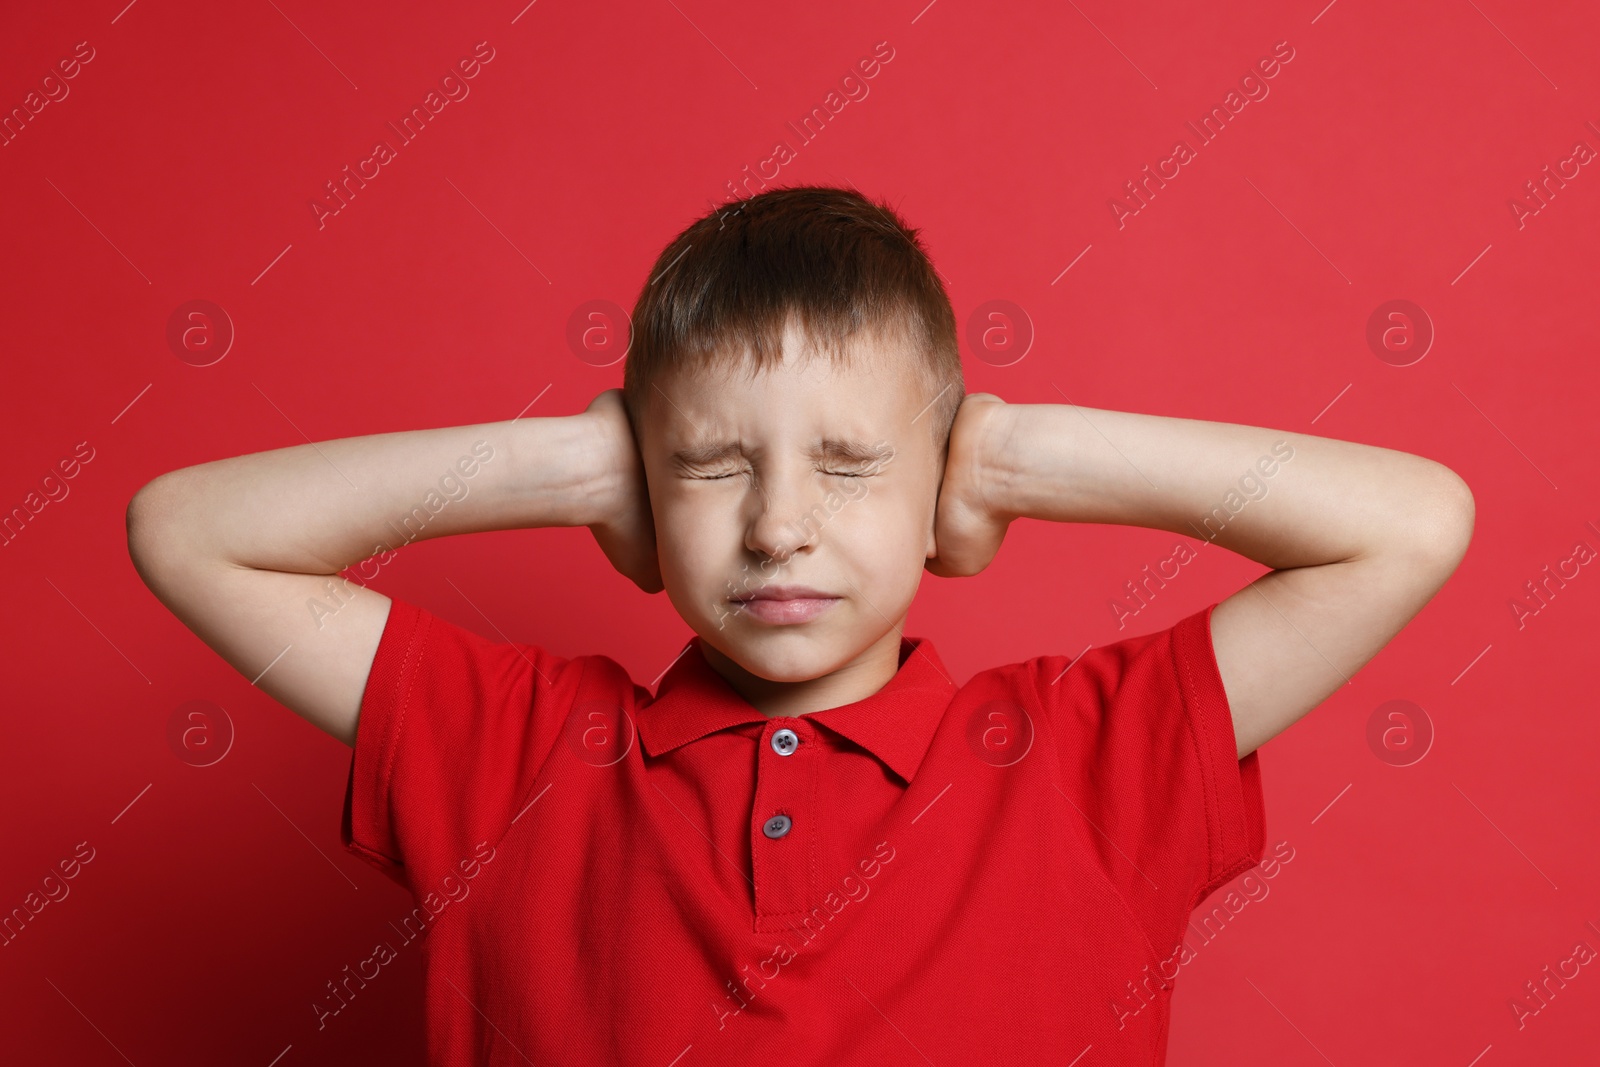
839, 263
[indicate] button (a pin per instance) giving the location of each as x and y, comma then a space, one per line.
785, 741
776, 826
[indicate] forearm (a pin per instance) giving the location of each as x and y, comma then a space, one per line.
1282, 499
317, 509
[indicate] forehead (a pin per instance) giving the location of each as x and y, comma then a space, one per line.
875, 392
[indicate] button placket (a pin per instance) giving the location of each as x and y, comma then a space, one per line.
783, 824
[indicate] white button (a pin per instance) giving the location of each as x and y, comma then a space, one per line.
785, 741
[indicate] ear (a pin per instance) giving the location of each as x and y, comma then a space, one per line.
932, 548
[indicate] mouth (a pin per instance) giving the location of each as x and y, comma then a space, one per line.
784, 604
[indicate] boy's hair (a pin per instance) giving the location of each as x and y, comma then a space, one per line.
845, 267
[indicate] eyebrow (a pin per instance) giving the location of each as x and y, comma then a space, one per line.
829, 448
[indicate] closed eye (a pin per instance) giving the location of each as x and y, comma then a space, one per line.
733, 474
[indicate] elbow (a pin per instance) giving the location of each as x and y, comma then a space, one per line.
137, 523
143, 523
1448, 514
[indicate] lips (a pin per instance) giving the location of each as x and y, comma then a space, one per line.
784, 604
784, 592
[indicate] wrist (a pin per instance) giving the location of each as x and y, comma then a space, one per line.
556, 475
996, 472
608, 468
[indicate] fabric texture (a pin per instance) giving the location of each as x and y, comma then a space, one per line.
999, 871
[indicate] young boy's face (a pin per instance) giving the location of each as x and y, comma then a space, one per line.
804, 477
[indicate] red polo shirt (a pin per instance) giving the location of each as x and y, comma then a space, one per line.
994, 872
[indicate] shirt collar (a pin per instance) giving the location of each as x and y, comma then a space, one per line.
895, 724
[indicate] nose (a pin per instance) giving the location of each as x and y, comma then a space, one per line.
785, 515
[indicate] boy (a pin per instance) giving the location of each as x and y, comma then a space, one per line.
810, 844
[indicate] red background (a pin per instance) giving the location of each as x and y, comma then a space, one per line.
182, 165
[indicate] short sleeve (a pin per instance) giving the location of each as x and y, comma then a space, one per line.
453, 731
1149, 758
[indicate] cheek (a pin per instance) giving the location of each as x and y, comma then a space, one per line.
886, 533
694, 535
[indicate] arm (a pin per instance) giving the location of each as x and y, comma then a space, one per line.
244, 550
1359, 538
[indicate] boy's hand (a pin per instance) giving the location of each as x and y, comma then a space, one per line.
967, 530
627, 533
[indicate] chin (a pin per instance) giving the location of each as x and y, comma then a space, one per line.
788, 655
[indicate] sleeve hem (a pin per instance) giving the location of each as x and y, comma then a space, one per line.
367, 829
1235, 809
